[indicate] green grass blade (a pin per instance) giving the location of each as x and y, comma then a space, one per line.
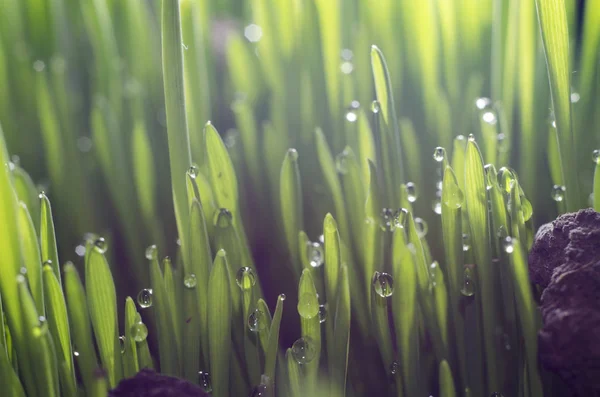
291, 205
58, 323
79, 319
341, 332
552, 15
476, 201
102, 304
294, 375
143, 170
143, 351
308, 308
27, 193
440, 293
222, 173
179, 145
173, 303
99, 384
48, 237
273, 345
31, 257
9, 381
446, 381
354, 192
380, 327
219, 325
332, 273
596, 197
130, 355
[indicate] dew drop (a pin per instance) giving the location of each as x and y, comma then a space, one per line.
394, 368
308, 305
439, 154
193, 171
346, 67
41, 328
483, 103
144, 298
190, 281
253, 33
293, 153
316, 255
39, 66
400, 218
351, 116
489, 116
508, 245
100, 245
259, 391
75, 353
281, 297
341, 162
468, 287
80, 250
387, 219
383, 284
139, 331
471, 138
491, 176
304, 351
122, 343
245, 278
575, 97
436, 205
322, 313
204, 381
151, 252
411, 190
257, 321
421, 227
375, 106
223, 218
596, 156
558, 193
466, 238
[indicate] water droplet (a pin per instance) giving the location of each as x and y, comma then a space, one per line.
281, 297
304, 351
245, 278
471, 138
375, 106
347, 54
223, 218
351, 116
466, 237
293, 153
468, 288
421, 227
383, 284
259, 391
341, 163
139, 331
193, 171
316, 255
308, 305
489, 116
144, 298
75, 353
204, 381
436, 205
400, 218
80, 250
100, 245
558, 193
190, 281
257, 321
575, 97
411, 190
439, 154
483, 103
322, 313
596, 156
508, 244
151, 252
346, 67
42, 328
387, 219
491, 176
122, 343
394, 368
322, 239
253, 33
39, 66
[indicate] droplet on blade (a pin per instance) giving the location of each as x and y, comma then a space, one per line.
144, 298
466, 238
483, 103
400, 218
383, 284
394, 368
245, 278
308, 305
223, 218
190, 281
139, 331
151, 252
100, 245
204, 381
508, 245
193, 171
257, 321
468, 287
316, 255
41, 328
387, 220
341, 162
558, 193
439, 154
322, 313
436, 205
122, 343
304, 351
421, 227
596, 156
496, 394
375, 106
411, 190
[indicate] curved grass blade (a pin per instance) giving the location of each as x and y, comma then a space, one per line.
332, 268
222, 173
295, 378
180, 156
143, 351
27, 193
130, 355
440, 293
48, 236
310, 326
219, 325
291, 205
102, 303
404, 310
446, 381
58, 324
9, 381
341, 333
552, 15
173, 303
79, 320
39, 347
371, 230
380, 327
273, 345
31, 257
99, 384
476, 201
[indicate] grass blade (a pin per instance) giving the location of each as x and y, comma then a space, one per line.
273, 345
48, 237
446, 382
291, 205
31, 257
308, 309
130, 355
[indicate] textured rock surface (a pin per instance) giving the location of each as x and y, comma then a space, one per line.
572, 239
148, 383
565, 260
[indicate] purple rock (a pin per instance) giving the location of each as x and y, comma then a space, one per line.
148, 383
